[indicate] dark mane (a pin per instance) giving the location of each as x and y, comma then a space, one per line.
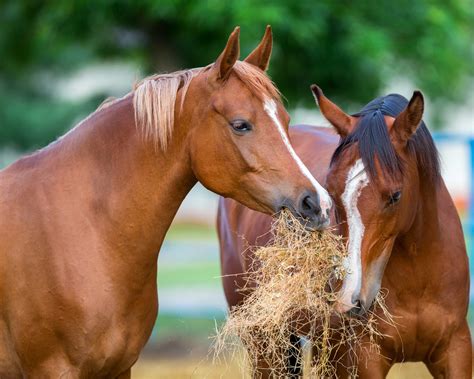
374, 141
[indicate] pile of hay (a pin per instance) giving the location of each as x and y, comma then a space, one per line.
291, 294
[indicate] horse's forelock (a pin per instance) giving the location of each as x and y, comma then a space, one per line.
372, 135
256, 80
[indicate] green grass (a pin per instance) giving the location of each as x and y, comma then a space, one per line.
168, 326
191, 232
202, 274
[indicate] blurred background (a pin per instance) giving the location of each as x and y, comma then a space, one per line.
61, 59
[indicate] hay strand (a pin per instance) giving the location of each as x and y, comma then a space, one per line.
292, 292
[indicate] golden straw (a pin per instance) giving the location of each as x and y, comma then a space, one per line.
292, 294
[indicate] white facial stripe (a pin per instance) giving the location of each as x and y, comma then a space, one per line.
325, 200
356, 180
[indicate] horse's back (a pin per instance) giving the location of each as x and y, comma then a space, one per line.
240, 227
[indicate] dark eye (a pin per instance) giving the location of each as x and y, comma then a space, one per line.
241, 126
395, 198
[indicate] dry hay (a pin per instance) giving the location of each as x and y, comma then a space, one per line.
290, 284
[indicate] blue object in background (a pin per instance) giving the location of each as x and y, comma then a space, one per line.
468, 224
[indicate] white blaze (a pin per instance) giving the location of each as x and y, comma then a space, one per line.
325, 200
356, 180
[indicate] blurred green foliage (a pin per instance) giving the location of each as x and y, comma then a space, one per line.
350, 48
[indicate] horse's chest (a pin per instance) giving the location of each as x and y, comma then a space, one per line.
9, 363
118, 349
100, 339
121, 342
417, 332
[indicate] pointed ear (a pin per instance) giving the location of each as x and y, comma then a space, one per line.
260, 57
342, 122
408, 121
220, 70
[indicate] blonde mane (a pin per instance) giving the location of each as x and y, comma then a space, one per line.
154, 103
154, 98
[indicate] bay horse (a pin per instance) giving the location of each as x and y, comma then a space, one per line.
83, 219
391, 204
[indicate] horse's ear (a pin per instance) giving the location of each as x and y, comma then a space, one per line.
408, 120
260, 57
342, 122
224, 63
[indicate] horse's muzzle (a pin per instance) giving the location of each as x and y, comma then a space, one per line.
307, 209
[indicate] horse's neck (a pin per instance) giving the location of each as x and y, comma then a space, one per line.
425, 239
136, 190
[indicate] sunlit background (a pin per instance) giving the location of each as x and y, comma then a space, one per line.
60, 59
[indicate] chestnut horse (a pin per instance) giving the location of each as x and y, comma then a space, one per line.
402, 229
83, 219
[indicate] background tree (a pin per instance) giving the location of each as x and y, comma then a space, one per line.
350, 48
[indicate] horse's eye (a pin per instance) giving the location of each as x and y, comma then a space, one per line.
241, 126
395, 198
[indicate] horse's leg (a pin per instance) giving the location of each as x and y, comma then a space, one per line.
377, 368
361, 364
454, 360
339, 364
266, 369
295, 367
269, 366
54, 368
125, 375
262, 369
281, 364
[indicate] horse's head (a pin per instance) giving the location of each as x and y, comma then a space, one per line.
374, 181
239, 142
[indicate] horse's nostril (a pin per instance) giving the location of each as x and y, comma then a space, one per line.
306, 203
308, 210
309, 206
358, 308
